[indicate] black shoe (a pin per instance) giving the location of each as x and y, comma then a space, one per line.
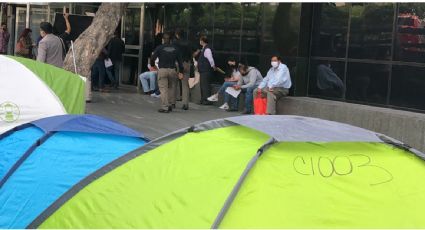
88, 101
173, 106
246, 112
164, 110
185, 107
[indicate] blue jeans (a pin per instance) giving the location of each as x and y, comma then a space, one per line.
249, 97
148, 80
111, 75
224, 87
98, 72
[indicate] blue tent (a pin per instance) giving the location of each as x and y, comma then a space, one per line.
47, 157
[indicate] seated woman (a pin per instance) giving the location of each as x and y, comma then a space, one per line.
232, 77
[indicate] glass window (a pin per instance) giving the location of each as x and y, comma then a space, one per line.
84, 8
281, 25
132, 26
227, 23
367, 82
252, 60
327, 79
177, 16
407, 87
371, 31
201, 22
130, 70
251, 30
330, 29
410, 37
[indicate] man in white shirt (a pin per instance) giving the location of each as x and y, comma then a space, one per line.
275, 85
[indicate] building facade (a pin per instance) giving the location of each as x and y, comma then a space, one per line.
365, 53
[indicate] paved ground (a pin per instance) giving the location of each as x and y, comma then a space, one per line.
140, 112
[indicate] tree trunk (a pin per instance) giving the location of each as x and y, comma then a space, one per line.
90, 43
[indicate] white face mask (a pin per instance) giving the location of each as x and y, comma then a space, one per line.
275, 64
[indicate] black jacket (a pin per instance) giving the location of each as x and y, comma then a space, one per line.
116, 48
168, 54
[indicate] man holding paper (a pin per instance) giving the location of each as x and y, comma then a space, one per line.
275, 85
249, 81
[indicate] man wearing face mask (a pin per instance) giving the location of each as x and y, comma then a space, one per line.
275, 85
206, 68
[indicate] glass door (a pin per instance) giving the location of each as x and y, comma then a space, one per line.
131, 27
38, 14
21, 17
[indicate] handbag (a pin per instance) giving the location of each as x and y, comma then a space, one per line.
20, 48
260, 104
108, 63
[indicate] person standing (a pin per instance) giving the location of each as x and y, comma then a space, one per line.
65, 36
4, 38
185, 51
168, 55
25, 44
275, 85
50, 48
98, 73
116, 48
206, 67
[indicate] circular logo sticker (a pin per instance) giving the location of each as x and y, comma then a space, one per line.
9, 112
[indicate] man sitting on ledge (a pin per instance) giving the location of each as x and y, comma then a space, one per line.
275, 85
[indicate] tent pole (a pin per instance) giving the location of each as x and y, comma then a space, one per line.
73, 56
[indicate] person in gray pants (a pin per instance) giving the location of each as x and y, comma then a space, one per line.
275, 85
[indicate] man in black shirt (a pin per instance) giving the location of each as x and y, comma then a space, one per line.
184, 49
167, 54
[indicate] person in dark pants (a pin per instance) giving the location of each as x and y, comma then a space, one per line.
185, 51
98, 73
116, 48
206, 68
168, 55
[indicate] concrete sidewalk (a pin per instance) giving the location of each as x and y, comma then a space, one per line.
140, 112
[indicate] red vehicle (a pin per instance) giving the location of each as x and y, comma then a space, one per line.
409, 32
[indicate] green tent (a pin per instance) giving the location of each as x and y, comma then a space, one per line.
253, 172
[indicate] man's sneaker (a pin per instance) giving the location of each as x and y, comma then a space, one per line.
155, 95
213, 97
225, 106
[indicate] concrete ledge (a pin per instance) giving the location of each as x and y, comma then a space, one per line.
405, 126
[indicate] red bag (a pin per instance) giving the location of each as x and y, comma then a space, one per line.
260, 104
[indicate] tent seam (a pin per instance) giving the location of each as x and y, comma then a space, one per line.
25, 156
101, 172
240, 181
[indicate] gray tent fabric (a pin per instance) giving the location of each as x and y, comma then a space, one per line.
304, 129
